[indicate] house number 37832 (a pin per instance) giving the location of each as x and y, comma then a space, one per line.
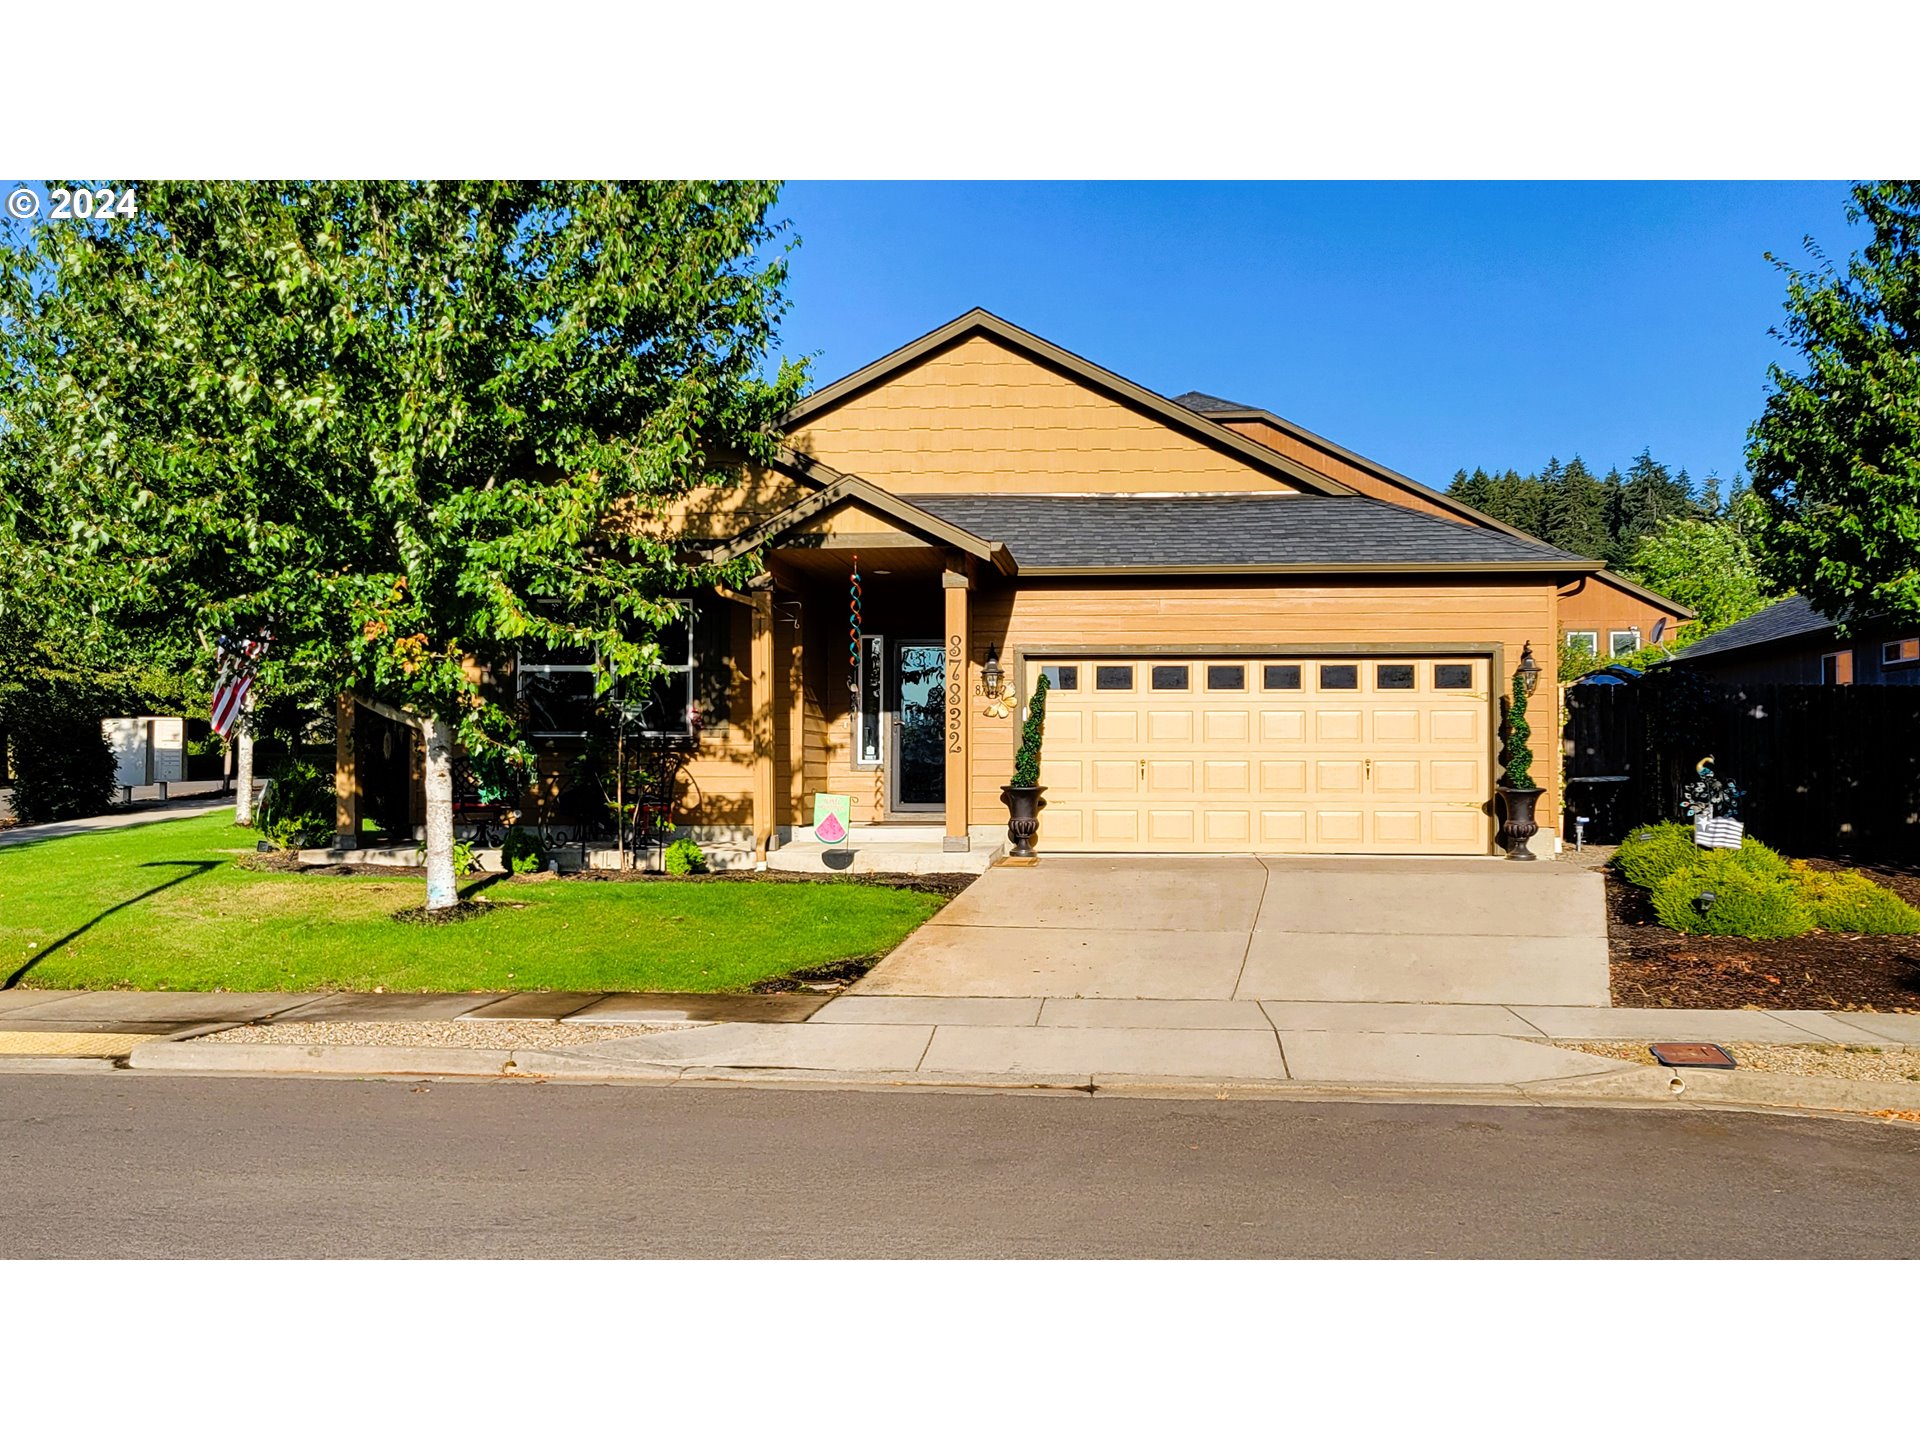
956, 692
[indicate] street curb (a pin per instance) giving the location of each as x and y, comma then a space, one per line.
1643, 1086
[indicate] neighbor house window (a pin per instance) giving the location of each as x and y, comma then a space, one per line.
1899, 652
1837, 668
1623, 642
1584, 642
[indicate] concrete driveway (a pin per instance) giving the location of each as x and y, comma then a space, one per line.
1309, 931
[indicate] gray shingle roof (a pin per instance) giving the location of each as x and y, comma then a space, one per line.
1229, 531
1202, 403
1786, 619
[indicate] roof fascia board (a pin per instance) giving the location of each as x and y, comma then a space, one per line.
977, 321
850, 488
1503, 567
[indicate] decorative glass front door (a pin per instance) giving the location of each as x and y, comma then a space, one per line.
919, 766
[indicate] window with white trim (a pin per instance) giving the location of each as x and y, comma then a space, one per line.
1836, 668
1623, 642
1584, 642
1900, 652
556, 688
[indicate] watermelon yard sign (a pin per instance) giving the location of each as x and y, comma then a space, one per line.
830, 817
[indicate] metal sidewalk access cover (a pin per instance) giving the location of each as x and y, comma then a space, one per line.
1710, 1057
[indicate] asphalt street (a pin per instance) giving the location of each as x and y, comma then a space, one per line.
130, 1166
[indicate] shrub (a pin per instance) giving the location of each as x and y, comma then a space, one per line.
1026, 763
298, 808
1753, 904
521, 853
465, 862
685, 857
1650, 853
1849, 902
62, 765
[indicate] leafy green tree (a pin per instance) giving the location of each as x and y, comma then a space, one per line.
1835, 455
404, 427
1707, 565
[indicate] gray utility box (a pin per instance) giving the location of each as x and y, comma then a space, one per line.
147, 750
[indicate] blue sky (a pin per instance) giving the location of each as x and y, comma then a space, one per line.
1429, 325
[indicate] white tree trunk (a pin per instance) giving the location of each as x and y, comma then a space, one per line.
442, 889
243, 774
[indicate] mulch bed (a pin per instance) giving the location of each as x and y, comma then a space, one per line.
1652, 965
835, 976
288, 862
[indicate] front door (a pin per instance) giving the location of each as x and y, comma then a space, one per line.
919, 765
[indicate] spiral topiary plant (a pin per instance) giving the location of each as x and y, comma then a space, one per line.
1026, 761
1519, 772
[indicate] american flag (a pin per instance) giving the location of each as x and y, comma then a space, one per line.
234, 680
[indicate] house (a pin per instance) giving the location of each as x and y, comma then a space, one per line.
1255, 640
1791, 643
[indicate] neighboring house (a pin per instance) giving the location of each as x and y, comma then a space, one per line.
1601, 613
1256, 641
1791, 643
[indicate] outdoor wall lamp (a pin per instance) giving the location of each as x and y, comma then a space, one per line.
990, 672
1529, 667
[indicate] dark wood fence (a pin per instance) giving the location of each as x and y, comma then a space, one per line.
1826, 769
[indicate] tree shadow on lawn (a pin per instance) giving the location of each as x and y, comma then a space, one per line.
192, 868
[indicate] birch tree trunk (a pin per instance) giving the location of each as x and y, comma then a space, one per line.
442, 890
243, 774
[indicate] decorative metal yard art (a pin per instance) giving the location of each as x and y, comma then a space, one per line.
1713, 804
853, 628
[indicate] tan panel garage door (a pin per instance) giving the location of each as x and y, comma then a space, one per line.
1309, 754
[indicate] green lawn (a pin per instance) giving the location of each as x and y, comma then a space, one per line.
163, 907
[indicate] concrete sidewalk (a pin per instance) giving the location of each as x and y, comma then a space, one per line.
145, 813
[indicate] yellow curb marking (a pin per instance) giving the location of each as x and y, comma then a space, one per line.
102, 1044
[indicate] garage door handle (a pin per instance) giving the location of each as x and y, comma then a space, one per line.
1369, 769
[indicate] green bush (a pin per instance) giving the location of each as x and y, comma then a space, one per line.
62, 764
521, 853
465, 862
685, 857
1756, 904
1650, 853
1848, 902
299, 807
1519, 756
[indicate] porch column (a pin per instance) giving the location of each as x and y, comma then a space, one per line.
959, 739
764, 712
346, 776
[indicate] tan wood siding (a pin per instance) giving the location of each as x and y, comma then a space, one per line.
1336, 467
980, 417
1599, 605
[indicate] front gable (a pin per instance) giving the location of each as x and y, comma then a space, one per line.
981, 407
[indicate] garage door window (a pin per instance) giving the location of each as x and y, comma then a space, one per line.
1393, 677
1113, 677
1281, 677
1453, 677
1170, 677
1062, 677
1226, 677
1339, 677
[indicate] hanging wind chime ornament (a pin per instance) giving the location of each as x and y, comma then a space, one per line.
853, 628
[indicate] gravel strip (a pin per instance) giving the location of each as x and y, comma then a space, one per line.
1838, 1062
448, 1034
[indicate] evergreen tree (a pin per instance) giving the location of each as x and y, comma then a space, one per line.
1650, 494
1574, 509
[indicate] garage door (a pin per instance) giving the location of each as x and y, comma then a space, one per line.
1308, 754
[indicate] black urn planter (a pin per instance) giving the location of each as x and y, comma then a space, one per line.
1023, 804
1517, 825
